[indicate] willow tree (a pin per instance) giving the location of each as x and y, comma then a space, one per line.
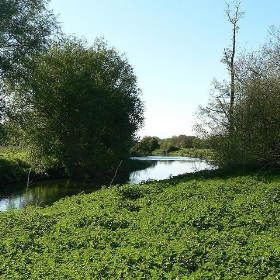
26, 28
81, 109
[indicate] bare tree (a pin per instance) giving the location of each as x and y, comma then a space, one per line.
216, 120
233, 17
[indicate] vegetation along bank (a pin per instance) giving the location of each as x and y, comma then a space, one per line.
70, 114
201, 226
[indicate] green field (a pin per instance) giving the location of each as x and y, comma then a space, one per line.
192, 227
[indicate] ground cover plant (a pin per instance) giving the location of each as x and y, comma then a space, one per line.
189, 227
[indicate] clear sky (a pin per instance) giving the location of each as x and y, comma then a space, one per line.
174, 46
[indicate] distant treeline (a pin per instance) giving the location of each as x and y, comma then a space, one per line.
149, 144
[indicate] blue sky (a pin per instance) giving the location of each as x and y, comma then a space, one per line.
174, 46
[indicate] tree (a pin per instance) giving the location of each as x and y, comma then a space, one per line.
167, 145
252, 138
257, 114
257, 121
216, 121
229, 58
26, 27
146, 146
81, 108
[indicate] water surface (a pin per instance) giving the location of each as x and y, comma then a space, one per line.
166, 167
46, 193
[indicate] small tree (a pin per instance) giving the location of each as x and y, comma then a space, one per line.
146, 146
258, 110
254, 140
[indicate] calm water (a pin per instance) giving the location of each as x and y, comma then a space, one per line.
46, 193
167, 166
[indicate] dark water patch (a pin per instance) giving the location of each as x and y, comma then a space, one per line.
46, 193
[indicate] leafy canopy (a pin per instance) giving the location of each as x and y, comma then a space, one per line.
81, 108
241, 119
26, 27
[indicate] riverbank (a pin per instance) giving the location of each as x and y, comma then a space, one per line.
14, 167
199, 226
207, 154
46, 192
195, 153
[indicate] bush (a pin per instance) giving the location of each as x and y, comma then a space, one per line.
13, 169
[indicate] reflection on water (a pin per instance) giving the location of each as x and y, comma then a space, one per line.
42, 194
46, 193
166, 167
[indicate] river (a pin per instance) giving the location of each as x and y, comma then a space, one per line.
167, 166
46, 193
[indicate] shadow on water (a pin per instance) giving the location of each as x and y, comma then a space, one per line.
46, 193
41, 194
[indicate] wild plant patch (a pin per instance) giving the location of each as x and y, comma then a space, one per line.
174, 229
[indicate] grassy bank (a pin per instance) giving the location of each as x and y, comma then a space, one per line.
14, 167
188, 152
196, 153
190, 227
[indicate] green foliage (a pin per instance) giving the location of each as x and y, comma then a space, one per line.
181, 145
195, 153
257, 114
181, 141
246, 132
26, 27
153, 145
145, 147
13, 169
81, 108
185, 228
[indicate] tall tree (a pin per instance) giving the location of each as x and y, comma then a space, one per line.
216, 120
229, 57
81, 108
25, 28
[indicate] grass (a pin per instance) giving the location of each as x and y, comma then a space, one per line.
197, 153
201, 226
189, 152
